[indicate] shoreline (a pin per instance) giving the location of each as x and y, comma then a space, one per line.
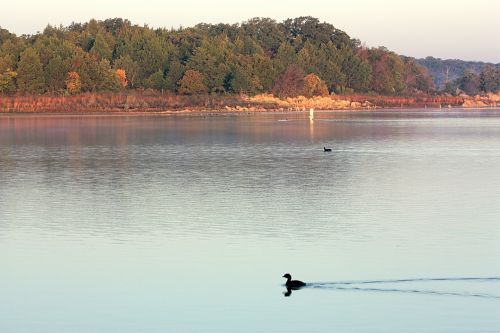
165, 104
213, 113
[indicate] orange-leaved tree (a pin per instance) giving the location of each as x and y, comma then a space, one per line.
314, 86
122, 78
73, 82
192, 83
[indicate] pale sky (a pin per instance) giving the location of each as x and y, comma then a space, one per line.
456, 29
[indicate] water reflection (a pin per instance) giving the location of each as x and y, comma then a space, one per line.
288, 292
101, 217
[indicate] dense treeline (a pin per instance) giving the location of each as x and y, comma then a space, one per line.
471, 77
301, 56
473, 83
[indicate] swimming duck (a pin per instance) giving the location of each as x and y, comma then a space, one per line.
326, 149
292, 283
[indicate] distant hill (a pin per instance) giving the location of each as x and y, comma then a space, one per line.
449, 70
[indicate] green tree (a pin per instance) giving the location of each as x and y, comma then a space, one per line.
212, 59
131, 68
265, 72
174, 74
311, 29
266, 32
357, 72
95, 75
55, 74
100, 48
153, 56
157, 81
285, 57
7, 76
490, 79
30, 78
240, 80
470, 82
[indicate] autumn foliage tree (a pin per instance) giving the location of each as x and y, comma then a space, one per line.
73, 83
7, 85
290, 83
314, 86
192, 83
122, 78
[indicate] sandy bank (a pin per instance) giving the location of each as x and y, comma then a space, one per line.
160, 103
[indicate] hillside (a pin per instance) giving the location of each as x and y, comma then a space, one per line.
449, 70
300, 56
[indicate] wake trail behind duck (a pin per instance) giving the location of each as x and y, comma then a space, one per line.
360, 286
336, 283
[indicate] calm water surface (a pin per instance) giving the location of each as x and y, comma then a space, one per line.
186, 224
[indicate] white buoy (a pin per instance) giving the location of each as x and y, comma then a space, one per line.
311, 114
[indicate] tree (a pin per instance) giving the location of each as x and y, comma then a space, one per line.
174, 74
266, 32
323, 60
469, 82
55, 74
95, 75
100, 48
357, 71
311, 29
157, 81
212, 59
490, 79
388, 71
314, 86
192, 83
291, 83
130, 67
285, 57
7, 85
122, 78
30, 78
7, 76
264, 72
417, 78
243, 76
153, 55
73, 83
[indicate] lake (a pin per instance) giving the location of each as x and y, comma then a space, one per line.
187, 223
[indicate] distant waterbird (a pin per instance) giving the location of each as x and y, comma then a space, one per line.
327, 150
293, 284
